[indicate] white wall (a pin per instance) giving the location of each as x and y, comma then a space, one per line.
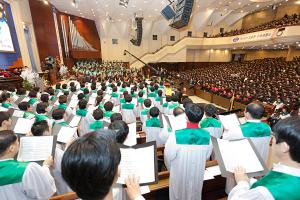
22, 16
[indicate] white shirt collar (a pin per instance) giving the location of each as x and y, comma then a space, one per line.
286, 169
6, 159
253, 120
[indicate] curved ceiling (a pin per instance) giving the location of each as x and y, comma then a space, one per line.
150, 9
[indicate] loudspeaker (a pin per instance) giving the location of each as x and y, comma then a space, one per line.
168, 12
205, 34
137, 40
183, 13
221, 30
190, 33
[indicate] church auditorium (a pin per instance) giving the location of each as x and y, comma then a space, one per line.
149, 100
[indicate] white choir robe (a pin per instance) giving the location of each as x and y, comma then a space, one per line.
129, 116
160, 135
61, 186
186, 164
85, 125
37, 183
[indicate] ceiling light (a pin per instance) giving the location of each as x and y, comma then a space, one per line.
46, 2
297, 2
124, 3
257, 6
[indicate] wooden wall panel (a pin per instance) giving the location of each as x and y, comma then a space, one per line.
44, 29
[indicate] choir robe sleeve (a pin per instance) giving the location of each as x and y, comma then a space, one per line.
242, 191
170, 150
37, 182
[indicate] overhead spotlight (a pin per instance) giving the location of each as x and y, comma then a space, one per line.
46, 2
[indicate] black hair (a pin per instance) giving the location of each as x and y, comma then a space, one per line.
140, 94
256, 110
45, 98
154, 112
152, 89
125, 93
7, 138
73, 89
24, 106
32, 94
82, 85
62, 99
159, 93
21, 91
147, 103
64, 86
80, 96
175, 98
58, 86
114, 89
99, 93
115, 117
194, 112
39, 128
168, 98
90, 164
4, 116
121, 129
108, 106
72, 84
58, 114
210, 110
99, 99
93, 87
128, 98
98, 114
86, 91
288, 130
82, 104
41, 108
177, 111
186, 101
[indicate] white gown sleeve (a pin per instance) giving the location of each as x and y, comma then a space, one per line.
37, 182
170, 150
242, 191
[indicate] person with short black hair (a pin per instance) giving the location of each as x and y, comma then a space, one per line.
5, 121
41, 110
153, 121
128, 110
59, 116
80, 96
122, 100
45, 98
121, 130
178, 111
186, 101
57, 88
90, 167
22, 180
283, 181
64, 88
186, 152
82, 108
62, 100
108, 107
210, 122
40, 128
86, 93
98, 120
5, 100
115, 117
33, 97
27, 109
145, 111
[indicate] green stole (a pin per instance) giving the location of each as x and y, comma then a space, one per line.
141, 100
107, 114
153, 122
26, 115
122, 100
157, 99
6, 105
96, 125
210, 122
52, 98
39, 117
145, 111
174, 105
12, 171
61, 123
81, 112
32, 101
122, 89
165, 105
63, 106
114, 95
253, 129
101, 106
152, 94
189, 136
128, 106
280, 185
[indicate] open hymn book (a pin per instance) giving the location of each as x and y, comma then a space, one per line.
238, 153
141, 161
36, 148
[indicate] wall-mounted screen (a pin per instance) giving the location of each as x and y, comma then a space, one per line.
6, 42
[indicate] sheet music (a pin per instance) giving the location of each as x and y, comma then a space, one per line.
131, 137
35, 148
138, 162
116, 109
215, 170
2, 109
239, 153
73, 103
18, 113
75, 121
92, 100
23, 126
177, 123
66, 134
208, 175
91, 108
229, 121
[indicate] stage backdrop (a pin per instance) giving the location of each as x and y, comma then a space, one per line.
10, 55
